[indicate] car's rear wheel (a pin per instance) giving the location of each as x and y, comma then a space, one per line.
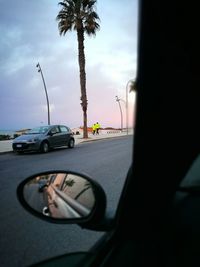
71, 143
44, 147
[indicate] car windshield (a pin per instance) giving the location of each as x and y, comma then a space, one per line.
38, 130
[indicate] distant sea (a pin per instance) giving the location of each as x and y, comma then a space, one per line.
8, 132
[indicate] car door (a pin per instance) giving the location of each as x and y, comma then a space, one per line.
65, 135
55, 137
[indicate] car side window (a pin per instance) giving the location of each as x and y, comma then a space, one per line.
54, 130
64, 129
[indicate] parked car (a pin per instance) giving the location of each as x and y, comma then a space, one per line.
44, 138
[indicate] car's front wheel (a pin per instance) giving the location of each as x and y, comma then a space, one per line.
44, 147
71, 143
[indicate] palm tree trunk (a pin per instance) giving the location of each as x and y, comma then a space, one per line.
81, 58
82, 191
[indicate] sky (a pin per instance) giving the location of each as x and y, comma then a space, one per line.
29, 34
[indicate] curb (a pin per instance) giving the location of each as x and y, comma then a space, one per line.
100, 139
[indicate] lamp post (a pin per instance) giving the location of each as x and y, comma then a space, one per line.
118, 100
127, 105
45, 89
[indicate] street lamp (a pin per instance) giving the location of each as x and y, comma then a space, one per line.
118, 100
45, 89
127, 104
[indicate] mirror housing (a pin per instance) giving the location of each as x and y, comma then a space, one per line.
50, 133
63, 197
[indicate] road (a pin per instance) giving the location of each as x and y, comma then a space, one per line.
26, 239
34, 197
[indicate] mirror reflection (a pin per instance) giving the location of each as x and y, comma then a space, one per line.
60, 195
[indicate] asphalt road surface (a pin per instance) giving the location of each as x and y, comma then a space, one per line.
26, 239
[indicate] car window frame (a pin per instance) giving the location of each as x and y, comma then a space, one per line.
57, 132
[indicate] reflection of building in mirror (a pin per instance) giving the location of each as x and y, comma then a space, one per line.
79, 189
63, 195
70, 196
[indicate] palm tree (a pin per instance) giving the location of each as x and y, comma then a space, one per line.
79, 15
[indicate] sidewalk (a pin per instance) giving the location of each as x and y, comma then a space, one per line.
6, 146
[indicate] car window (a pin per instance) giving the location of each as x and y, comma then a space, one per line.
55, 130
64, 129
38, 130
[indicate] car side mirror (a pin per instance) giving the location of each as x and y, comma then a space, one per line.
63, 197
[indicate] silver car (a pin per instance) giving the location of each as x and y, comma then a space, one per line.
44, 138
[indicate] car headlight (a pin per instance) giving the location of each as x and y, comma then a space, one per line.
33, 140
